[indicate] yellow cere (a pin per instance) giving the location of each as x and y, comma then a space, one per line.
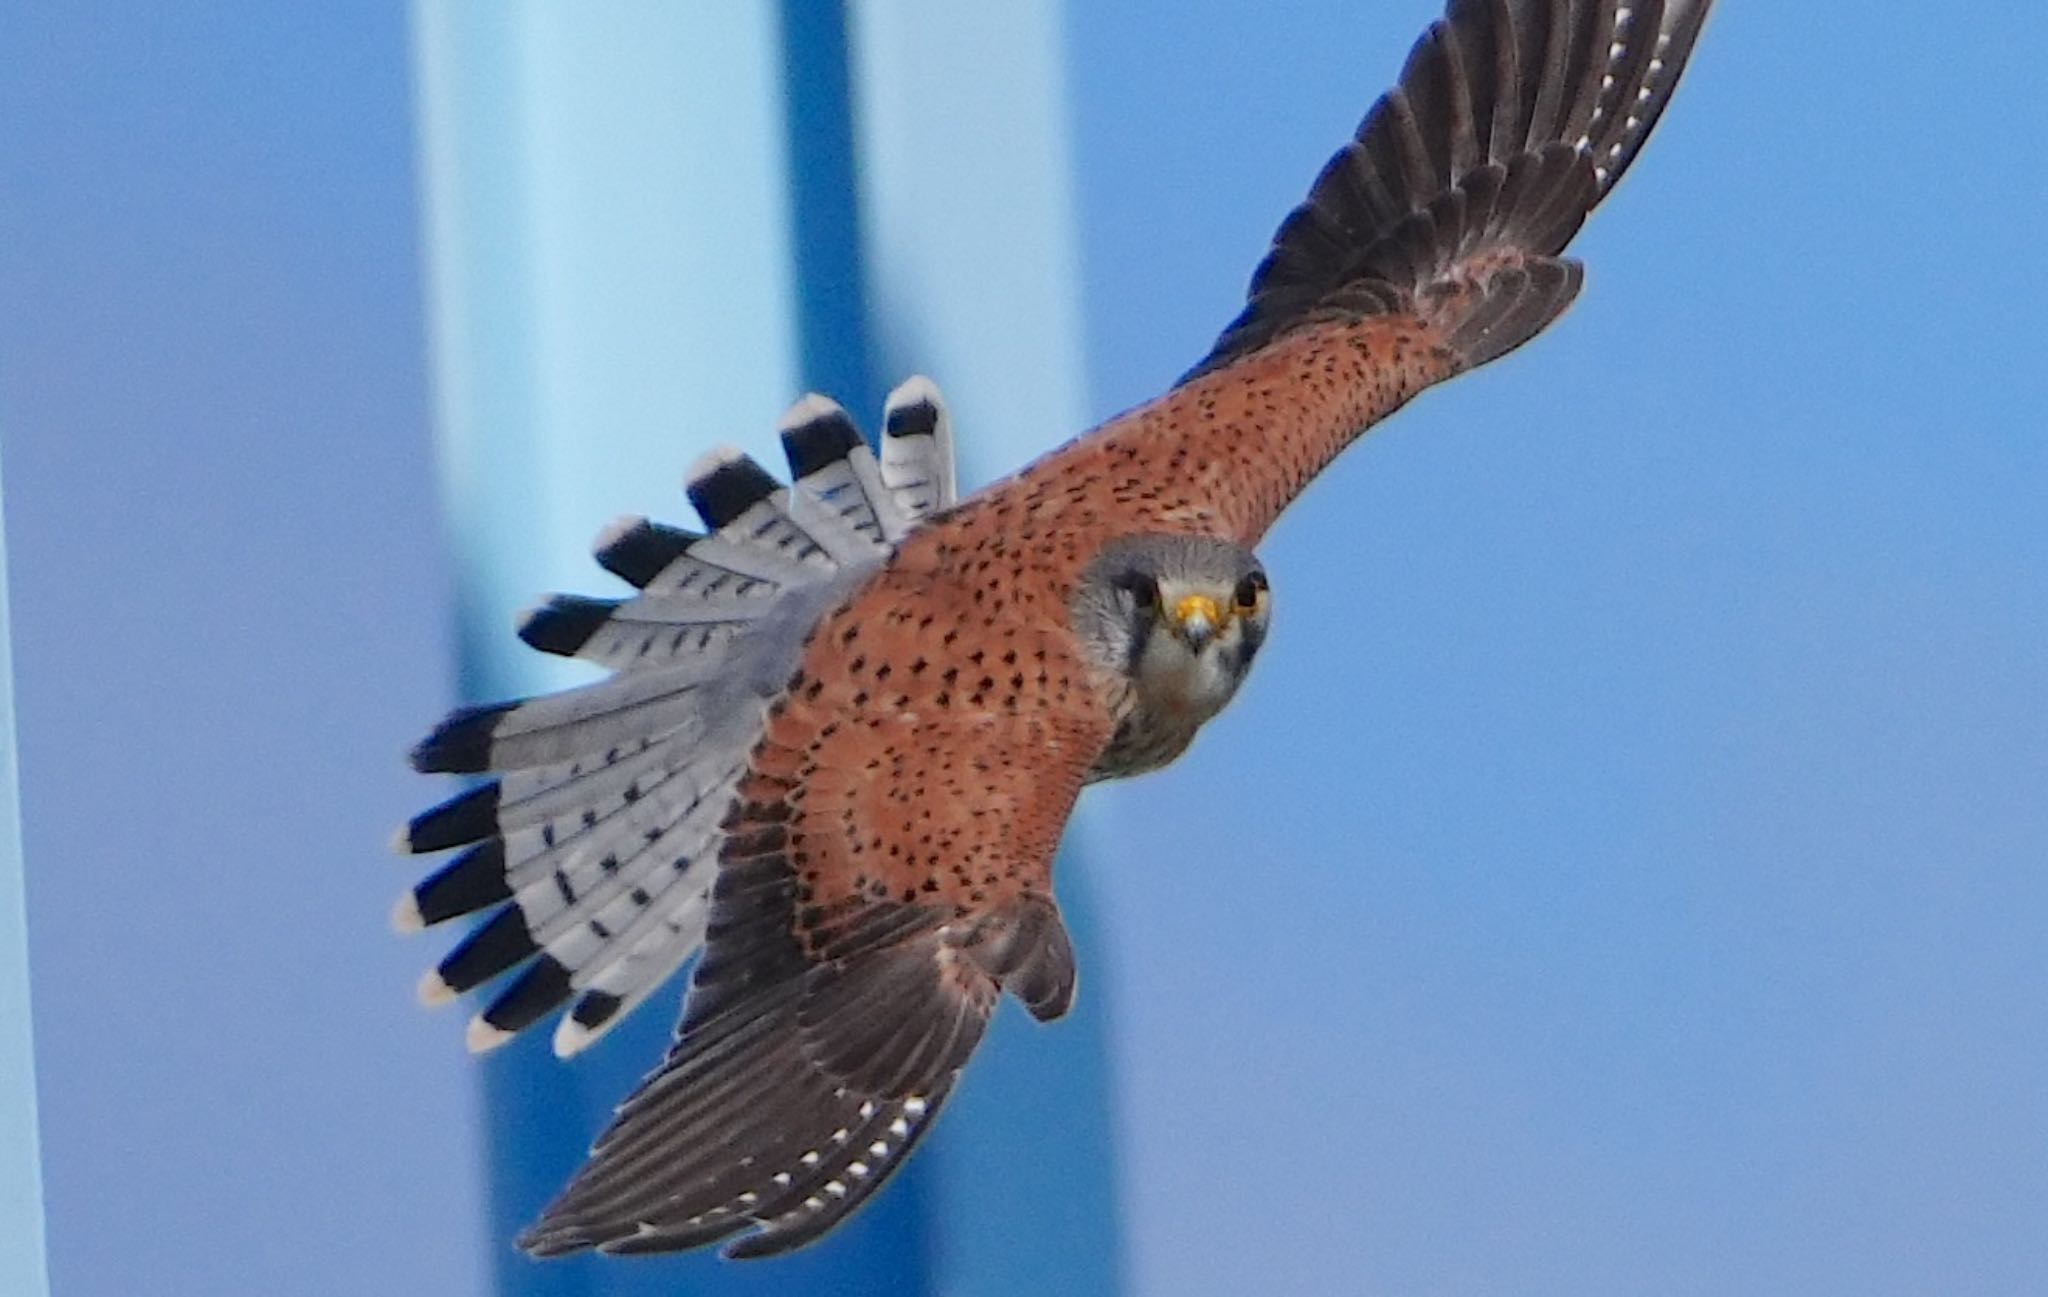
1197, 604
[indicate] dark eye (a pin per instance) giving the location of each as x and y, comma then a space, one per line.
1249, 590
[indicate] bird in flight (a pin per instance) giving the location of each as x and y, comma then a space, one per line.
845, 724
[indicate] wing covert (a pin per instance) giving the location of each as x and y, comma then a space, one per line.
885, 876
593, 847
1431, 243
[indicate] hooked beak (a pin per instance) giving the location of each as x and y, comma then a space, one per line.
1196, 619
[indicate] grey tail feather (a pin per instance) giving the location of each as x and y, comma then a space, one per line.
637, 551
832, 465
724, 488
580, 861
917, 449
1511, 122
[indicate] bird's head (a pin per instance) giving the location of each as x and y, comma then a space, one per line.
1181, 616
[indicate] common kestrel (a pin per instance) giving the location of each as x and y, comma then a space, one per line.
846, 725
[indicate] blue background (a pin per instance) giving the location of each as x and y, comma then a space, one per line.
1623, 873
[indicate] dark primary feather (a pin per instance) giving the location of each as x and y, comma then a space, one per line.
838, 998
594, 847
787, 1109
1511, 121
737, 1129
819, 1040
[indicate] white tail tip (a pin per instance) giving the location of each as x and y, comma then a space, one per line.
912, 390
405, 916
482, 1037
572, 1037
712, 460
434, 992
618, 529
810, 409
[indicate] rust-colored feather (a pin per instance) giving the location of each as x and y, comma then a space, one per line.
883, 867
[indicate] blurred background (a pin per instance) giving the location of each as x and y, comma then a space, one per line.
1626, 871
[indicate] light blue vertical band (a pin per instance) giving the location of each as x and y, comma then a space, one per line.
22, 1265
612, 293
973, 272
641, 244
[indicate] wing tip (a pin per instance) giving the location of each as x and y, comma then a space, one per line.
533, 994
500, 943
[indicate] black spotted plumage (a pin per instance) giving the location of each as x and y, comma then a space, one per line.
845, 726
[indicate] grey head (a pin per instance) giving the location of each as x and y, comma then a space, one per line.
1176, 620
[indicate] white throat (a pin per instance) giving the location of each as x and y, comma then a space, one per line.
1173, 680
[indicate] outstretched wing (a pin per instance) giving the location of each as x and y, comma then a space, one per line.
886, 873
1429, 245
595, 845
1512, 120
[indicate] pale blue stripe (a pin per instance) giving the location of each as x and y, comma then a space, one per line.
608, 267
974, 279
967, 192
610, 256
22, 1266
612, 295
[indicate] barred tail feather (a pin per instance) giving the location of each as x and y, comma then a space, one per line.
917, 449
578, 898
831, 466
539, 795
590, 855
645, 956
559, 728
